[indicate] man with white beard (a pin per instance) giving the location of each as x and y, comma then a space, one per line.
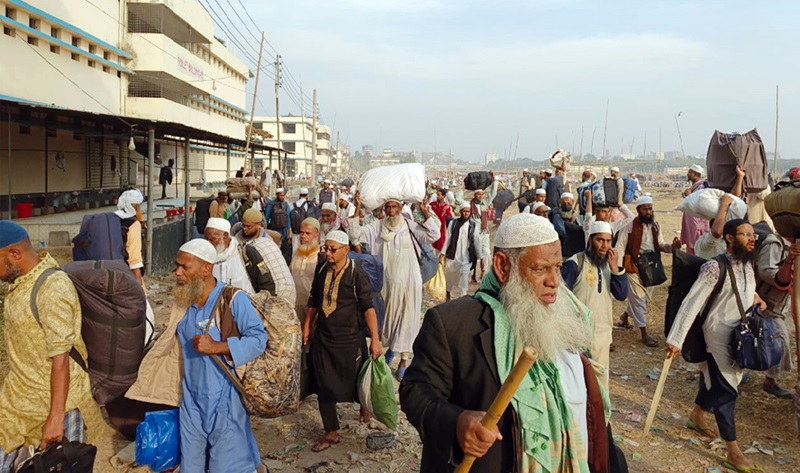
557, 421
231, 268
304, 263
461, 249
329, 221
396, 239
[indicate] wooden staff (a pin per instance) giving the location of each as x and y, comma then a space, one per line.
657, 396
503, 398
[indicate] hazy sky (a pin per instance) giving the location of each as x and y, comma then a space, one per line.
479, 73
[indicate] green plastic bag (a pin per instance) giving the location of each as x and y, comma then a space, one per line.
376, 391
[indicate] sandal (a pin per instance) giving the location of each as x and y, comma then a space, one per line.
743, 469
650, 341
325, 444
623, 325
704, 431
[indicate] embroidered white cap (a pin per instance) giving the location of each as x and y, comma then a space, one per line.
697, 168
219, 224
523, 231
200, 248
338, 236
541, 191
644, 200
600, 227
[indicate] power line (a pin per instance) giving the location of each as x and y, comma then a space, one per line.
257, 28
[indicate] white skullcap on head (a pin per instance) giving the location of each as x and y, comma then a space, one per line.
200, 248
327, 181
567, 195
464, 205
525, 170
338, 236
303, 190
536, 205
613, 169
523, 231
280, 190
219, 224
600, 227
344, 196
547, 171
541, 191
697, 168
644, 200
329, 206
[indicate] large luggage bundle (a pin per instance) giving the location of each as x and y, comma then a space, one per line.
561, 159
236, 187
604, 192
270, 384
727, 150
478, 180
629, 193
373, 267
705, 204
575, 242
403, 182
783, 206
100, 238
202, 212
583, 201
113, 306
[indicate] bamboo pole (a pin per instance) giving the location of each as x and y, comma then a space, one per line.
253, 107
651, 414
503, 398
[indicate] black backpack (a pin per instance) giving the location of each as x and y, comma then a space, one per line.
278, 219
202, 212
298, 214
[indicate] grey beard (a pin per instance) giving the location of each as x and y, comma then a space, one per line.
325, 228
550, 329
189, 293
394, 221
13, 272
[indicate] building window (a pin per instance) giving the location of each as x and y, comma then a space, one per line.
106, 55
106, 69
55, 33
76, 41
92, 49
289, 146
34, 23
76, 57
11, 13
33, 40
289, 128
24, 130
55, 49
51, 132
91, 64
8, 31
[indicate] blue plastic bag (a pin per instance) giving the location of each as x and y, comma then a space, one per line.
158, 440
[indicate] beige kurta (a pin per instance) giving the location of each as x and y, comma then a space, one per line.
25, 394
303, 268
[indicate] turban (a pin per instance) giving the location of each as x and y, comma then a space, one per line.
126, 202
600, 227
11, 233
338, 236
311, 221
523, 231
250, 216
201, 249
219, 224
644, 200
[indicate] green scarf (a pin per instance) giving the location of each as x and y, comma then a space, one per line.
549, 436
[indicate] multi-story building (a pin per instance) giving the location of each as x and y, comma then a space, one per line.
296, 136
84, 79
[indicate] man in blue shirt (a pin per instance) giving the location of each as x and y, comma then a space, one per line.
278, 218
214, 424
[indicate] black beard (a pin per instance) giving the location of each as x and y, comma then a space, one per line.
12, 272
646, 220
741, 253
596, 259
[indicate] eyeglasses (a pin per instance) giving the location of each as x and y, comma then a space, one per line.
747, 235
330, 249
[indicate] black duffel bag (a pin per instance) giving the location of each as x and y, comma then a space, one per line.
503, 200
478, 180
64, 457
651, 269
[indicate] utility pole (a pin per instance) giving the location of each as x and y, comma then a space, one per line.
683, 154
591, 148
314, 140
278, 114
605, 129
253, 109
581, 143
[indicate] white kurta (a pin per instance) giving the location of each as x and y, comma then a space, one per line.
230, 269
402, 280
637, 293
619, 225
302, 269
457, 269
723, 317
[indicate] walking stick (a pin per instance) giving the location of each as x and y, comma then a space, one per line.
503, 398
796, 308
651, 414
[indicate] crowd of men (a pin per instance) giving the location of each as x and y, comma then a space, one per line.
534, 290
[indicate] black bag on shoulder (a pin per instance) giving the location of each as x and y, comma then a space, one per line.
64, 457
694, 348
651, 269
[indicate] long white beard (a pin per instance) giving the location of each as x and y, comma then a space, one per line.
224, 253
549, 329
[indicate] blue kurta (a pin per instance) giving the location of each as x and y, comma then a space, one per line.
215, 427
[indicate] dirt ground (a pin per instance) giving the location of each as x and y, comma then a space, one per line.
764, 422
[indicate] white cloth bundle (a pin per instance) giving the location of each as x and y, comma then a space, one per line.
403, 182
705, 204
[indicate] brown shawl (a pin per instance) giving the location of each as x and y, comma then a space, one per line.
474, 205
635, 244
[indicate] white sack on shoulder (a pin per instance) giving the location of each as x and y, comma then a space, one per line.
705, 204
403, 182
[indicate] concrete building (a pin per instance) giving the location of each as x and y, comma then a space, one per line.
490, 158
85, 79
296, 136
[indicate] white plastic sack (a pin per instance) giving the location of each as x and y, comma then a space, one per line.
705, 204
561, 158
403, 182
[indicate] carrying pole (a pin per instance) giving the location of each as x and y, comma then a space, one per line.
651, 414
151, 161
253, 109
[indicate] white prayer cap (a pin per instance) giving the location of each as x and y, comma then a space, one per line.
525, 170
536, 205
200, 248
697, 168
523, 231
338, 236
547, 171
464, 205
478, 190
303, 191
344, 196
600, 227
280, 190
644, 200
219, 224
613, 169
326, 181
541, 191
543, 170
567, 195
329, 206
